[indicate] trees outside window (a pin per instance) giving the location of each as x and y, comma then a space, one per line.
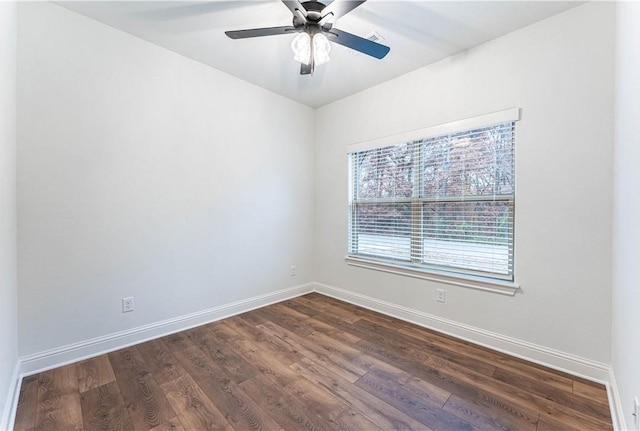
442, 203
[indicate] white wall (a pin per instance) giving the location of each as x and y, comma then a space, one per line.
8, 283
626, 236
141, 171
560, 72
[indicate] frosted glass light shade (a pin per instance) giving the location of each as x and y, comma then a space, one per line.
321, 49
301, 47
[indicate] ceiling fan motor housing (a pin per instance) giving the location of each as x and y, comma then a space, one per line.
312, 18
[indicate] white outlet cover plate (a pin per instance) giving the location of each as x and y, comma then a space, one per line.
127, 304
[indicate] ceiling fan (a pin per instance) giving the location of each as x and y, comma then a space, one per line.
313, 21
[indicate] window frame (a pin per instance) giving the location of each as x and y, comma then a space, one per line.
461, 277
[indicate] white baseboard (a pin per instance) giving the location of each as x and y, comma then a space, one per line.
551, 358
68, 354
617, 414
11, 405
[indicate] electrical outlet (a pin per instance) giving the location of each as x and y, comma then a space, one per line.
127, 304
292, 271
440, 295
636, 414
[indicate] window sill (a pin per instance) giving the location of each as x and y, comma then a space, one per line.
496, 286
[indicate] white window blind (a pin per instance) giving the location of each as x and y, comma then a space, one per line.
441, 202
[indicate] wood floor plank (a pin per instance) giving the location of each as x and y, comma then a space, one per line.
318, 402
412, 366
27, 402
59, 400
68, 416
103, 409
270, 367
456, 353
337, 318
239, 409
421, 389
517, 395
572, 401
331, 321
408, 402
310, 300
172, 425
177, 341
423, 349
336, 344
94, 372
63, 380
451, 382
323, 404
549, 423
351, 420
193, 406
594, 392
334, 332
346, 312
542, 374
253, 318
145, 402
311, 400
341, 349
310, 363
279, 348
234, 366
485, 418
379, 412
340, 365
285, 409
287, 318
487, 356
159, 361
301, 307
232, 338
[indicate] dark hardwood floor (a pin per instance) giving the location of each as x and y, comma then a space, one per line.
310, 363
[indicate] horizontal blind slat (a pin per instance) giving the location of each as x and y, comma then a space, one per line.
442, 201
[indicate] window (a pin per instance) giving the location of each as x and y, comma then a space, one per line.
439, 200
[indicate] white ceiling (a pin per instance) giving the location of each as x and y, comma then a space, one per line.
418, 33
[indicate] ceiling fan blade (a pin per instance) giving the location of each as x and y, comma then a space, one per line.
296, 8
259, 32
357, 43
338, 8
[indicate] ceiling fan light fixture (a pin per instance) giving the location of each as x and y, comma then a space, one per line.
301, 46
321, 49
